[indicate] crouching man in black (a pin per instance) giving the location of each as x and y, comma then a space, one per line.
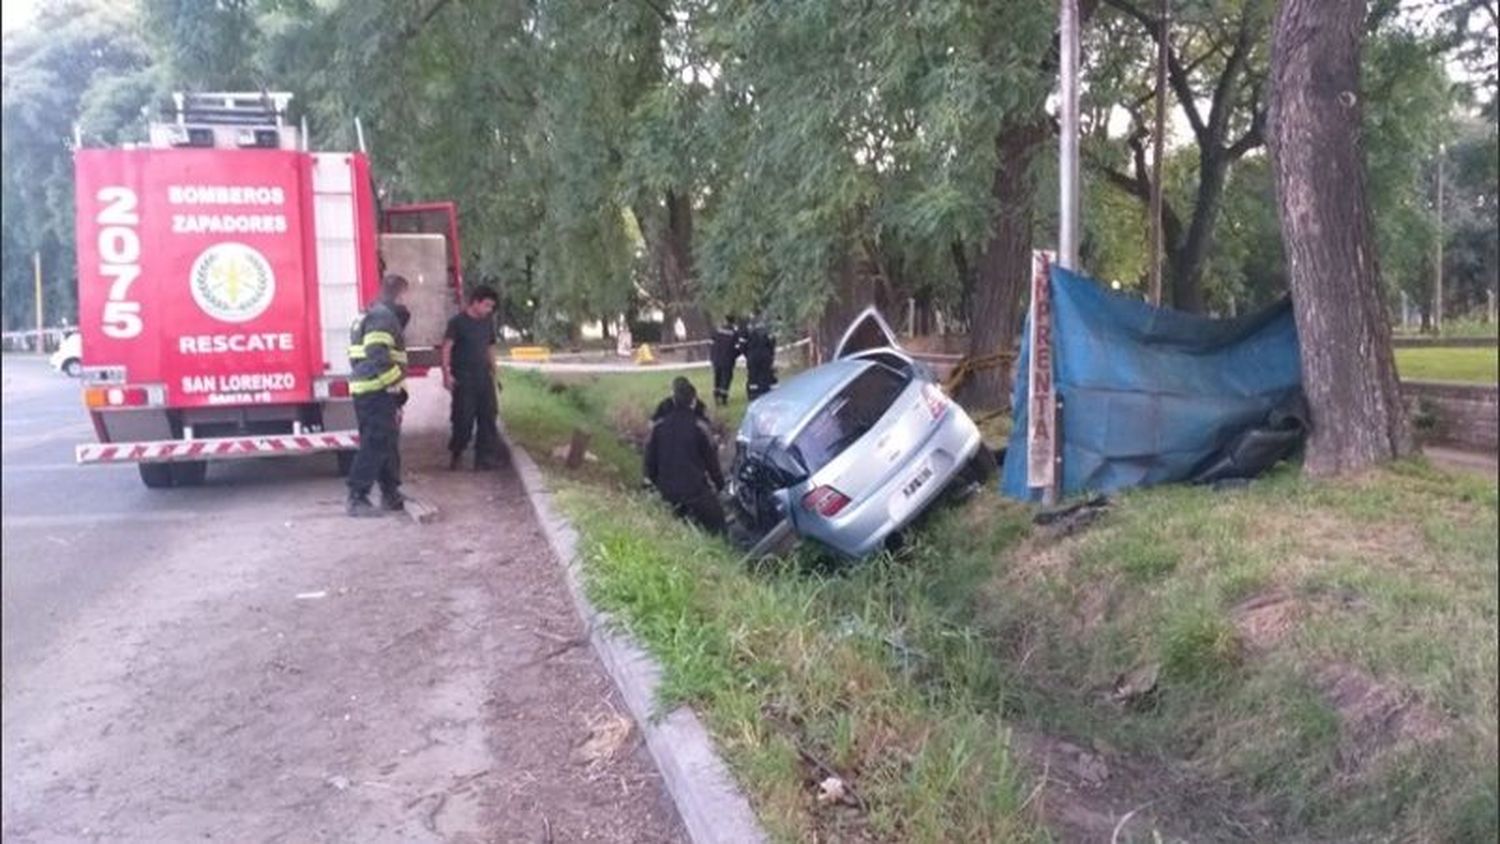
681, 461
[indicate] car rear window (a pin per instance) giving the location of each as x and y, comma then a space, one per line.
846, 417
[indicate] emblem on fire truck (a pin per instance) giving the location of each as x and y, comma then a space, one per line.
232, 282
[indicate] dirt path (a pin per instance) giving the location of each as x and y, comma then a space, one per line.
283, 673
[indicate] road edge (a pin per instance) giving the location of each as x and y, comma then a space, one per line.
709, 802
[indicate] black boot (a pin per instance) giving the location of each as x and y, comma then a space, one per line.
455, 461
360, 507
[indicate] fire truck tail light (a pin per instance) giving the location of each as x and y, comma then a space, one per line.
124, 396
331, 388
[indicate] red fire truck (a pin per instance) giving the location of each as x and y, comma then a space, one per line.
221, 266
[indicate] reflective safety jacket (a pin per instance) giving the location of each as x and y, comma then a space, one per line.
377, 351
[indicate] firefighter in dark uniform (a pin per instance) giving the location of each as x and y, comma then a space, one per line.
760, 361
682, 464
728, 343
377, 359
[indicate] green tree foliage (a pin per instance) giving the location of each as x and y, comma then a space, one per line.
82, 66
1471, 264
710, 156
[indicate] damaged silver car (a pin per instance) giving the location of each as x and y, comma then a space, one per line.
851, 452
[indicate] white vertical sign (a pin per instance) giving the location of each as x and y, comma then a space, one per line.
1041, 410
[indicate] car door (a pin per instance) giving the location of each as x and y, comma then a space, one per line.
868, 331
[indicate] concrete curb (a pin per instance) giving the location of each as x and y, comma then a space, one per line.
709, 802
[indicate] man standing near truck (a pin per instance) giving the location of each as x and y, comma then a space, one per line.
377, 381
469, 374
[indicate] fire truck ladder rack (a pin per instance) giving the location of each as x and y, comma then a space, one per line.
265, 108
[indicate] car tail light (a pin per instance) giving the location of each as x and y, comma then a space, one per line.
123, 396
825, 501
937, 403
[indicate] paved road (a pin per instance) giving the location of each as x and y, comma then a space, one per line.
242, 662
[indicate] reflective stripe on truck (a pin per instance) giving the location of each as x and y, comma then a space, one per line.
224, 448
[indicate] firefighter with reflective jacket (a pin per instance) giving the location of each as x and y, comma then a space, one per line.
377, 358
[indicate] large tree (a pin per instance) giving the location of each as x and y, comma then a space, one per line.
1216, 65
1349, 369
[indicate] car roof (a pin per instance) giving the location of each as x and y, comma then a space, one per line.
779, 412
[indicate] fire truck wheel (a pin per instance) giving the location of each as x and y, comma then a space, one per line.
190, 473
346, 462
156, 475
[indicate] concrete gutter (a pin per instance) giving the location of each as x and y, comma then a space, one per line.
712, 808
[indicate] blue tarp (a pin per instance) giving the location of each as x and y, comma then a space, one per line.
1150, 394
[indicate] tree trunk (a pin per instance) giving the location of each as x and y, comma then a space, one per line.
1348, 368
668, 230
678, 264
1004, 265
851, 295
1191, 253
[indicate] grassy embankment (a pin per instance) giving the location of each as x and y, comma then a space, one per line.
1476, 365
1317, 657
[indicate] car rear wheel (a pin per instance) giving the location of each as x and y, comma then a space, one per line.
156, 475
190, 473
346, 462
981, 467
72, 367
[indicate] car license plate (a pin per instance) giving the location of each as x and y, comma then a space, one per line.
918, 481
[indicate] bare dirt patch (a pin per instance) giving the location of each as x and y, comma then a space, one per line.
1375, 717
1088, 794
1264, 620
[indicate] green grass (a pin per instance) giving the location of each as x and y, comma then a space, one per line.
1476, 365
1462, 327
870, 671
906, 674
1392, 575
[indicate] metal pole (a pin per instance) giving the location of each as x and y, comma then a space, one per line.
36, 266
359, 134
1437, 287
1158, 145
1067, 236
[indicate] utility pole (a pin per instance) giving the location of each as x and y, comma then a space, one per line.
1043, 452
1158, 145
1437, 284
1067, 237
36, 266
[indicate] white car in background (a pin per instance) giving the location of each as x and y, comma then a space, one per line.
68, 359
